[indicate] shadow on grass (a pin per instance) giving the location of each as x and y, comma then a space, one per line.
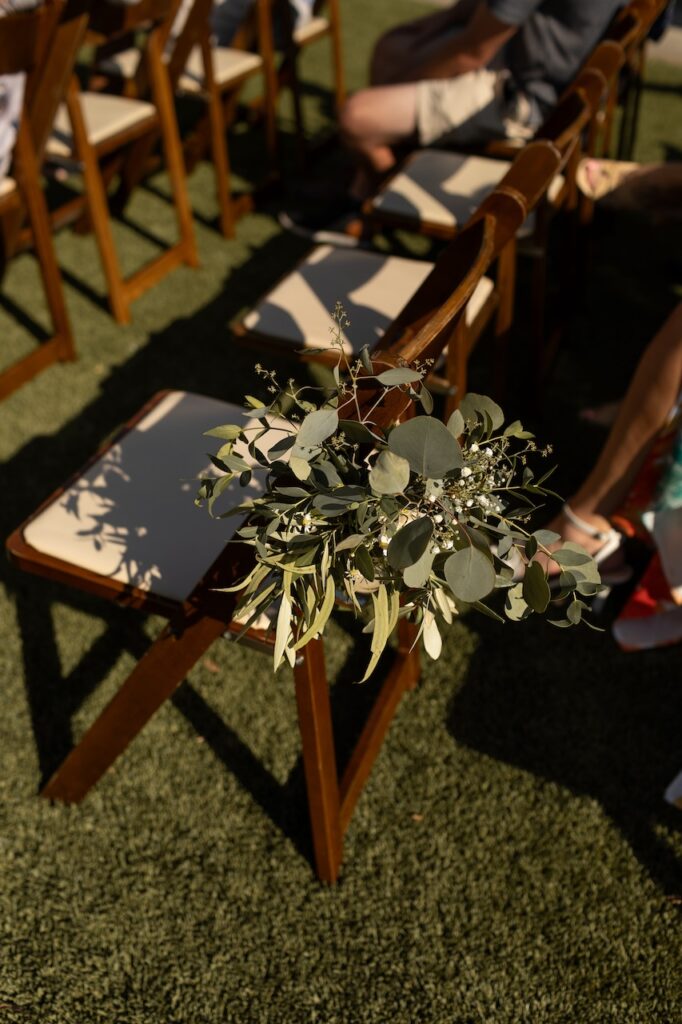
569, 707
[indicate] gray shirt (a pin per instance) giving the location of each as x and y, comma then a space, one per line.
553, 40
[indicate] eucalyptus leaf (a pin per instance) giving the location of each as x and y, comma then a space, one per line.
546, 537
428, 446
399, 375
299, 467
472, 406
409, 543
365, 359
536, 590
390, 474
515, 606
433, 644
571, 554
456, 424
363, 562
317, 427
228, 432
470, 574
417, 575
348, 543
426, 399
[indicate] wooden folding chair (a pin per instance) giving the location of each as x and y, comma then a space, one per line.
324, 22
215, 76
117, 530
94, 132
292, 316
435, 191
25, 39
645, 13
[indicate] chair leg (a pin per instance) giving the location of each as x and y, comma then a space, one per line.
337, 56
319, 759
98, 207
42, 237
221, 158
153, 680
172, 148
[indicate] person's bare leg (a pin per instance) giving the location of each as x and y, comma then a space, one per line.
651, 396
372, 122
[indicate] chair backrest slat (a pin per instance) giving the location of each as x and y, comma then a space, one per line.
24, 38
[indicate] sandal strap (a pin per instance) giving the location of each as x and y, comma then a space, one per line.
583, 525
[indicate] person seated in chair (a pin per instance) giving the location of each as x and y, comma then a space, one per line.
229, 15
479, 70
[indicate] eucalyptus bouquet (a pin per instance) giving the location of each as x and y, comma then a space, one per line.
417, 518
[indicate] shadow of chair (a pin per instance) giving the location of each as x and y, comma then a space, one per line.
576, 712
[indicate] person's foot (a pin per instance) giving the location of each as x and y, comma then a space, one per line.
595, 534
337, 223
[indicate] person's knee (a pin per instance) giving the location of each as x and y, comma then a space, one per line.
357, 116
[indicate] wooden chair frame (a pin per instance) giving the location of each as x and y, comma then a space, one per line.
221, 102
193, 625
24, 40
287, 75
154, 16
629, 94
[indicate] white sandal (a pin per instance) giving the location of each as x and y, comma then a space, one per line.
611, 539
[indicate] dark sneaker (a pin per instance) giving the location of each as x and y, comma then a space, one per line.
337, 224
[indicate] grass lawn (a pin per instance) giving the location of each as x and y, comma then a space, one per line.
511, 859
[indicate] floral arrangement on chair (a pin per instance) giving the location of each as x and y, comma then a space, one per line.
420, 519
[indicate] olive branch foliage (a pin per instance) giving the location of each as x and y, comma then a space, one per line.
421, 519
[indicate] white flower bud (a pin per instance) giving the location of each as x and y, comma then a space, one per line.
469, 503
488, 453
438, 518
466, 471
473, 447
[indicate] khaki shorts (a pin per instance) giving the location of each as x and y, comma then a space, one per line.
473, 107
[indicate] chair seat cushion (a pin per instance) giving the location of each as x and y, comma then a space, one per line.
131, 517
310, 30
444, 189
372, 288
229, 65
7, 186
441, 188
105, 117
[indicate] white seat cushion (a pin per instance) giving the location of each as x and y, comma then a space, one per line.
310, 30
124, 63
445, 188
131, 517
441, 188
228, 65
372, 288
7, 186
105, 117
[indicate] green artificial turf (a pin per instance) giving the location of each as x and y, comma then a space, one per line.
511, 859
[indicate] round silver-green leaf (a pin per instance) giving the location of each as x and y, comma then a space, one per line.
390, 474
410, 543
428, 446
470, 574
